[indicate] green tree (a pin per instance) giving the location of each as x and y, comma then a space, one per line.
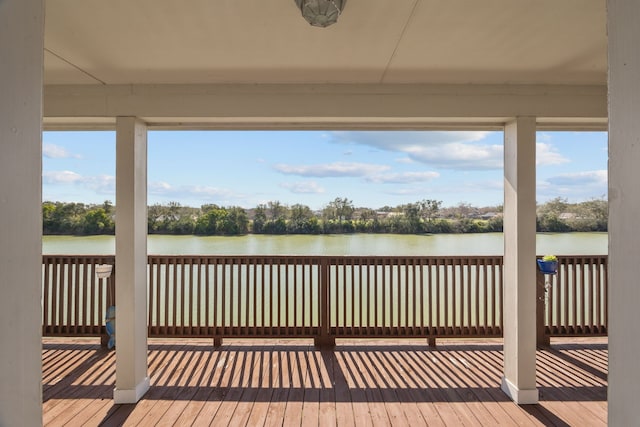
97, 221
554, 207
411, 218
49, 224
207, 223
235, 222
259, 218
429, 208
155, 214
302, 220
550, 222
277, 222
341, 209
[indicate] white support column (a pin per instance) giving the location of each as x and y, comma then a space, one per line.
624, 211
21, 47
519, 304
132, 380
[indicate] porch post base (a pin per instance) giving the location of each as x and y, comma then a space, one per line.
520, 397
131, 395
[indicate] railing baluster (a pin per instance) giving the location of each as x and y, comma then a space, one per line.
46, 261
439, 323
477, 269
498, 318
287, 287
597, 295
263, 298
151, 280
295, 293
353, 293
247, 270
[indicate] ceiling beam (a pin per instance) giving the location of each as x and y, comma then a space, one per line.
410, 106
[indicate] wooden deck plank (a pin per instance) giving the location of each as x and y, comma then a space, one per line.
170, 383
181, 387
483, 385
279, 397
296, 376
327, 409
400, 407
225, 371
228, 409
455, 379
311, 399
449, 403
160, 374
255, 382
59, 410
344, 406
91, 414
285, 382
264, 391
202, 384
363, 387
359, 401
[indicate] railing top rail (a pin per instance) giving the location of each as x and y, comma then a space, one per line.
111, 258
79, 257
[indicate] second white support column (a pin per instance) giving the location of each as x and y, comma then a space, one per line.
132, 380
519, 317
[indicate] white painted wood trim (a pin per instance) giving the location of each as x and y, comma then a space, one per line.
132, 395
624, 209
520, 397
323, 106
21, 47
131, 254
519, 294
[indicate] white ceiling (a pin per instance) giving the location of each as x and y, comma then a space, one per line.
375, 41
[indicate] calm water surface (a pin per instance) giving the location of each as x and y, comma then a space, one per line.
351, 244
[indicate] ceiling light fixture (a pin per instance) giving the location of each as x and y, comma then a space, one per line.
321, 13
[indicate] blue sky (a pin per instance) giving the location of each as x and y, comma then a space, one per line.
373, 169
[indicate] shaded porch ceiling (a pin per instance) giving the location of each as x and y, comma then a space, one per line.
380, 43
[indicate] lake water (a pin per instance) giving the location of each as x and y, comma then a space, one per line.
349, 244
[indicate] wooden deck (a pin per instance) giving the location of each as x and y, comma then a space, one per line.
291, 383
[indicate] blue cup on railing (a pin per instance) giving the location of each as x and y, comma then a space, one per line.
548, 267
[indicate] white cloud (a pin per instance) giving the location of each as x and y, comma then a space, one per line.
575, 185
61, 177
493, 189
405, 160
405, 140
458, 150
403, 178
332, 170
460, 156
455, 150
52, 151
304, 187
597, 177
406, 191
208, 193
547, 154
543, 136
102, 184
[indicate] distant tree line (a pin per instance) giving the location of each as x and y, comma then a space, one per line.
77, 218
558, 215
338, 216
